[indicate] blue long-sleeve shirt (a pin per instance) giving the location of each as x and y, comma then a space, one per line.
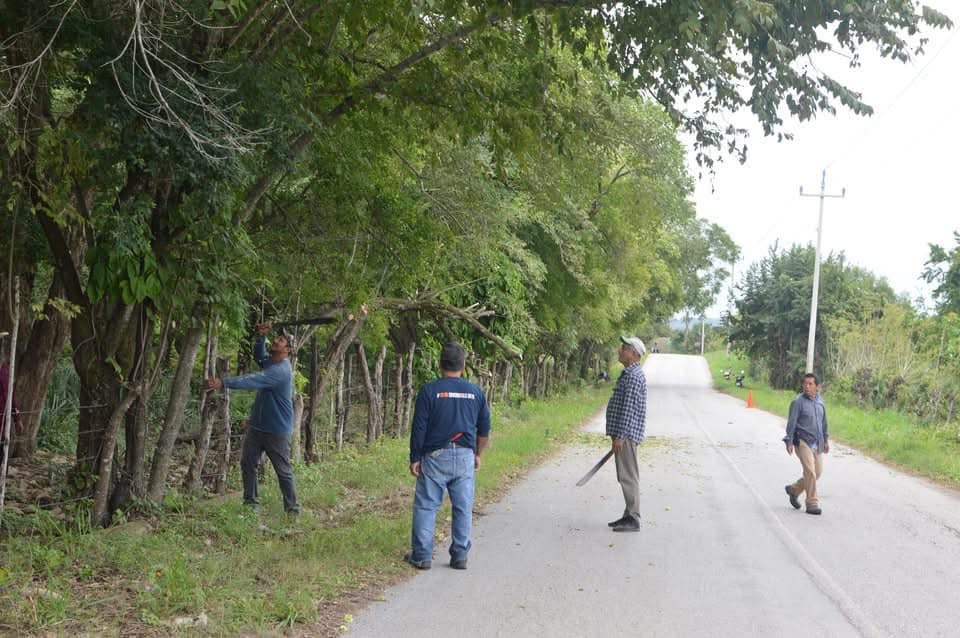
807, 421
444, 408
627, 408
272, 409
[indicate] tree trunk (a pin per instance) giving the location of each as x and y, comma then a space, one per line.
131, 482
136, 452
208, 409
310, 424
408, 386
398, 393
378, 384
348, 390
374, 418
173, 420
47, 340
101, 513
295, 449
223, 417
339, 405
507, 378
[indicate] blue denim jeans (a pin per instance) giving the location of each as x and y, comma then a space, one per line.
450, 468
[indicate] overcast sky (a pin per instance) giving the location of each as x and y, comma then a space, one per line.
899, 168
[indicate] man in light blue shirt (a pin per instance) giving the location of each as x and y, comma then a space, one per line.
807, 433
270, 427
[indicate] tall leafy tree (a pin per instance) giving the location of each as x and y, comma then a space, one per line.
772, 315
943, 270
148, 140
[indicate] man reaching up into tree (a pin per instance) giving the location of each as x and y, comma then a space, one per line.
270, 425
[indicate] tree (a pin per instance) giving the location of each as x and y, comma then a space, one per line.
151, 145
772, 314
943, 269
706, 250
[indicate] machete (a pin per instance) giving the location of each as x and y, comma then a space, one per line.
594, 469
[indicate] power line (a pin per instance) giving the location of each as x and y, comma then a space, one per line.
890, 106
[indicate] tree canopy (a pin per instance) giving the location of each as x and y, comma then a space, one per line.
171, 162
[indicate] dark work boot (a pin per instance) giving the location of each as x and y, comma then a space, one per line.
419, 564
793, 498
628, 524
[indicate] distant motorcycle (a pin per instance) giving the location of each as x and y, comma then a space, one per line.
739, 380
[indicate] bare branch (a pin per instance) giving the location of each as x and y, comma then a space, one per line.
430, 304
31, 69
171, 89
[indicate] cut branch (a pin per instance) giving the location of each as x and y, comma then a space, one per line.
472, 315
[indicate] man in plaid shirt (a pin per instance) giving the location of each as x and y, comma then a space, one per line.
626, 421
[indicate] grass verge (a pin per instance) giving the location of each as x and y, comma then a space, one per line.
202, 566
930, 450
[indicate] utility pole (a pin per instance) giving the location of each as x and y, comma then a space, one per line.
812, 334
703, 328
733, 266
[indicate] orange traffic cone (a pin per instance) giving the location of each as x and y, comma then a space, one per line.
750, 403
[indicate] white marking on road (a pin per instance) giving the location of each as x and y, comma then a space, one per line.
823, 580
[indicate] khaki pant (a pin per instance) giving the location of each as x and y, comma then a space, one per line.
812, 463
628, 474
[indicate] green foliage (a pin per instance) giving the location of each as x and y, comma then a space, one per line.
772, 315
943, 269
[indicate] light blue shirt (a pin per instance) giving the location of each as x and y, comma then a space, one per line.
272, 410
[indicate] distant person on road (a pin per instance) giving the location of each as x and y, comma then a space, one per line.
807, 434
626, 422
451, 428
270, 426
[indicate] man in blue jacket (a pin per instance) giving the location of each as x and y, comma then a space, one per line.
451, 428
270, 425
807, 433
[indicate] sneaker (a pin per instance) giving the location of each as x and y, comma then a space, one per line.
816, 511
618, 521
458, 563
793, 498
628, 524
419, 564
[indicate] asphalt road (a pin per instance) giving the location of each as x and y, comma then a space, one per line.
720, 551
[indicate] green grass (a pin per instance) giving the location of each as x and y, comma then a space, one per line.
931, 450
249, 572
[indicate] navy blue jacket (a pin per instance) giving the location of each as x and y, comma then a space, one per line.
444, 408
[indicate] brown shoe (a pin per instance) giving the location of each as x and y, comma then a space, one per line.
816, 511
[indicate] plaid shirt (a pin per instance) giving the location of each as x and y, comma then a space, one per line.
627, 409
